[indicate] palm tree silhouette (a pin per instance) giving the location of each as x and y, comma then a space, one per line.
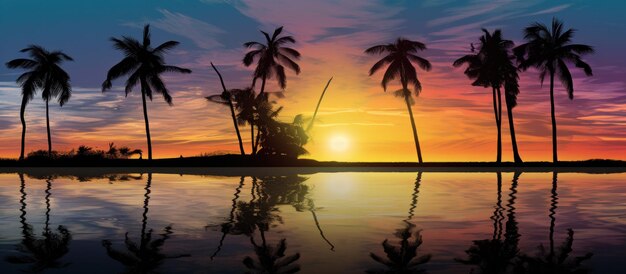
46, 74
400, 57
147, 256
226, 98
554, 261
492, 66
145, 65
272, 58
549, 50
271, 259
41, 253
404, 257
497, 255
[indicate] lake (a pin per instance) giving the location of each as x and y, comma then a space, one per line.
280, 220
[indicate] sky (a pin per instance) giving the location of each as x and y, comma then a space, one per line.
357, 121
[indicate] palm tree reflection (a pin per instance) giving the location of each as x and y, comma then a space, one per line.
404, 257
554, 261
147, 256
497, 255
40, 253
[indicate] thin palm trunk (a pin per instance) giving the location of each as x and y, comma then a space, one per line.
252, 143
417, 142
408, 106
553, 206
232, 110
145, 116
554, 153
497, 110
509, 110
22, 111
255, 144
48, 129
146, 203
308, 128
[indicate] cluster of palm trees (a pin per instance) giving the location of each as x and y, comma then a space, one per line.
494, 64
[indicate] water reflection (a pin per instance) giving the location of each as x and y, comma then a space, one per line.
287, 224
404, 258
40, 253
551, 260
147, 256
497, 255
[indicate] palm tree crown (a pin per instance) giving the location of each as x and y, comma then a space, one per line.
144, 64
272, 58
549, 50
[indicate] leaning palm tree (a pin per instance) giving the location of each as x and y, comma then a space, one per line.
272, 58
399, 57
549, 50
45, 74
145, 65
492, 66
226, 98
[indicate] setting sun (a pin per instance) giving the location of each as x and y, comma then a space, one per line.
339, 143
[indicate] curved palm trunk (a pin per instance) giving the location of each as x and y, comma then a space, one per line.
417, 142
22, 111
48, 129
145, 116
319, 102
554, 153
497, 111
232, 110
509, 111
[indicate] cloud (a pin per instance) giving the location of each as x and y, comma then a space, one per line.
203, 34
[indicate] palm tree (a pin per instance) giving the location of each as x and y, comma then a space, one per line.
549, 50
400, 57
226, 98
272, 58
492, 66
145, 65
46, 74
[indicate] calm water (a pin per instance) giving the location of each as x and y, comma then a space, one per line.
313, 223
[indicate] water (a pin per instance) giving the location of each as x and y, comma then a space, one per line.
315, 223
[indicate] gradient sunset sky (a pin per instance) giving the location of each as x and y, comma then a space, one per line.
454, 120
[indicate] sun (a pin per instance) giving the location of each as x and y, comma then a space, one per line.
339, 143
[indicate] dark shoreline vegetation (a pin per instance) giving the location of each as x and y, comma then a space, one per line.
246, 161
494, 62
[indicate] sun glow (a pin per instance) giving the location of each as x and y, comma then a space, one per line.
339, 143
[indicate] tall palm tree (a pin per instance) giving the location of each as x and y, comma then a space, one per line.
549, 50
145, 65
492, 66
272, 58
46, 74
399, 57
